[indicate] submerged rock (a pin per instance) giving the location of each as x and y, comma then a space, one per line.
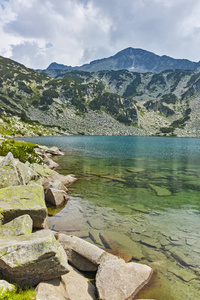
117, 241
118, 280
19, 200
160, 191
30, 259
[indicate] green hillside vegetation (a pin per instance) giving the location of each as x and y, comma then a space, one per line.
32, 103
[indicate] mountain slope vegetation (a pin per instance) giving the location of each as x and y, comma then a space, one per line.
105, 102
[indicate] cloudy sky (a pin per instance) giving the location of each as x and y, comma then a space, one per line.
73, 32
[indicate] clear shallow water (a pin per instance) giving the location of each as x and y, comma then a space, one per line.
139, 196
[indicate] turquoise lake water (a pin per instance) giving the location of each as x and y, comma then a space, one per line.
138, 196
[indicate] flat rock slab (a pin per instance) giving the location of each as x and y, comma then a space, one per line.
19, 226
72, 286
118, 280
27, 260
19, 200
51, 290
160, 191
77, 286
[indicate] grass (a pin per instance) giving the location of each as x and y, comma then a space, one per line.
21, 150
20, 294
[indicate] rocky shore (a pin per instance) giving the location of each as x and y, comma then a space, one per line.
53, 263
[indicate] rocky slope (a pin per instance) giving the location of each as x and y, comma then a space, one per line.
105, 102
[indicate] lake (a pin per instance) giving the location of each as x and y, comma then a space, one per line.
140, 198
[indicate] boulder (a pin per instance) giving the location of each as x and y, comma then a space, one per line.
6, 286
65, 179
83, 255
54, 151
72, 286
118, 280
19, 226
28, 260
8, 172
56, 197
51, 290
56, 184
19, 200
42, 170
82, 289
25, 173
50, 163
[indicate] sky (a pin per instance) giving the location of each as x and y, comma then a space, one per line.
73, 32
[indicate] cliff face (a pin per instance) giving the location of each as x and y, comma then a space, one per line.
105, 102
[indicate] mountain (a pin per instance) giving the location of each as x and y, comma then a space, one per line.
101, 103
131, 59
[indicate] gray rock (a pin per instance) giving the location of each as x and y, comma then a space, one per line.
77, 286
81, 254
72, 286
53, 176
56, 197
118, 280
6, 286
8, 172
19, 200
54, 151
51, 290
56, 184
25, 173
30, 259
50, 163
19, 226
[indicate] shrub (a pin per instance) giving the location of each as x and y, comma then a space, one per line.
21, 150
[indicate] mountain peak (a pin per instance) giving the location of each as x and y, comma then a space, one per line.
132, 59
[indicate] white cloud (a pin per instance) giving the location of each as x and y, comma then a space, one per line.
73, 32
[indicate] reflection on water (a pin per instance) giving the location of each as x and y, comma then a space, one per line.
138, 196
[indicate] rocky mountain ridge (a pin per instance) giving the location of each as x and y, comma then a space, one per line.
102, 103
132, 59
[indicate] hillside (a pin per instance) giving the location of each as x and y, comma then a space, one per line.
105, 102
132, 59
